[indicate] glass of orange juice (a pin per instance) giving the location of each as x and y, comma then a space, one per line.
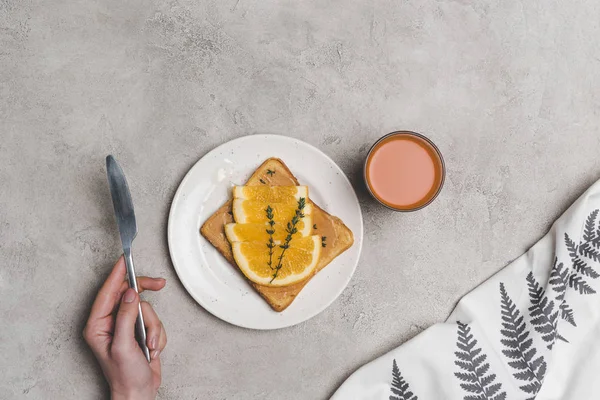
404, 171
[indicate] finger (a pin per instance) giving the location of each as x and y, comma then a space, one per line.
144, 283
162, 343
153, 327
109, 292
163, 339
156, 374
148, 283
125, 321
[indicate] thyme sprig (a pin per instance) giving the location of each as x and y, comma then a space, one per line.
291, 230
270, 232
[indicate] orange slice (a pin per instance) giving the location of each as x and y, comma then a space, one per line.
255, 211
272, 194
284, 267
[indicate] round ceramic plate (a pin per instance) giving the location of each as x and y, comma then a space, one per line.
220, 287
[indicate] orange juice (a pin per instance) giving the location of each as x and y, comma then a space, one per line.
404, 171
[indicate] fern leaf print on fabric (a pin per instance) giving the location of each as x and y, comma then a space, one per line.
559, 280
582, 254
594, 237
590, 233
576, 253
518, 347
543, 316
471, 361
590, 247
580, 285
400, 388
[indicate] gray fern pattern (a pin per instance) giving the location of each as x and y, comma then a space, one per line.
590, 247
543, 316
400, 388
474, 377
576, 253
592, 233
559, 281
580, 254
581, 257
518, 347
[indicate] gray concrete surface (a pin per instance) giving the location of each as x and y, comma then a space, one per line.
509, 90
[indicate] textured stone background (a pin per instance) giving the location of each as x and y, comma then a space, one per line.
509, 90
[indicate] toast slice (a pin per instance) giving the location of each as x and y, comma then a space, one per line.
339, 236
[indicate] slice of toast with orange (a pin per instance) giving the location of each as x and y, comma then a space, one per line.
338, 236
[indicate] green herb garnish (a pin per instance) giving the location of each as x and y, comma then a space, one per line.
261, 181
315, 226
291, 230
270, 231
270, 172
323, 239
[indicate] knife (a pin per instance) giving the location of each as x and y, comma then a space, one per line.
128, 230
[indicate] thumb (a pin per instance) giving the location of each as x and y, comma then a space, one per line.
125, 321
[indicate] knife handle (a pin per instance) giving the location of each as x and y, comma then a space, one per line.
140, 331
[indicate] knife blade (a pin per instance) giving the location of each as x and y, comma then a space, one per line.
126, 222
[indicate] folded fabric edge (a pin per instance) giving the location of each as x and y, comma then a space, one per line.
535, 267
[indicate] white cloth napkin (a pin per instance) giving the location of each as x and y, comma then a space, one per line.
532, 331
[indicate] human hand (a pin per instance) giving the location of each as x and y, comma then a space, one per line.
110, 332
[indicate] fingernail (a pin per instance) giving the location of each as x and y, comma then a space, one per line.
153, 342
155, 354
129, 296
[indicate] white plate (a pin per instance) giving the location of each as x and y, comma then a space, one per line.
214, 283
